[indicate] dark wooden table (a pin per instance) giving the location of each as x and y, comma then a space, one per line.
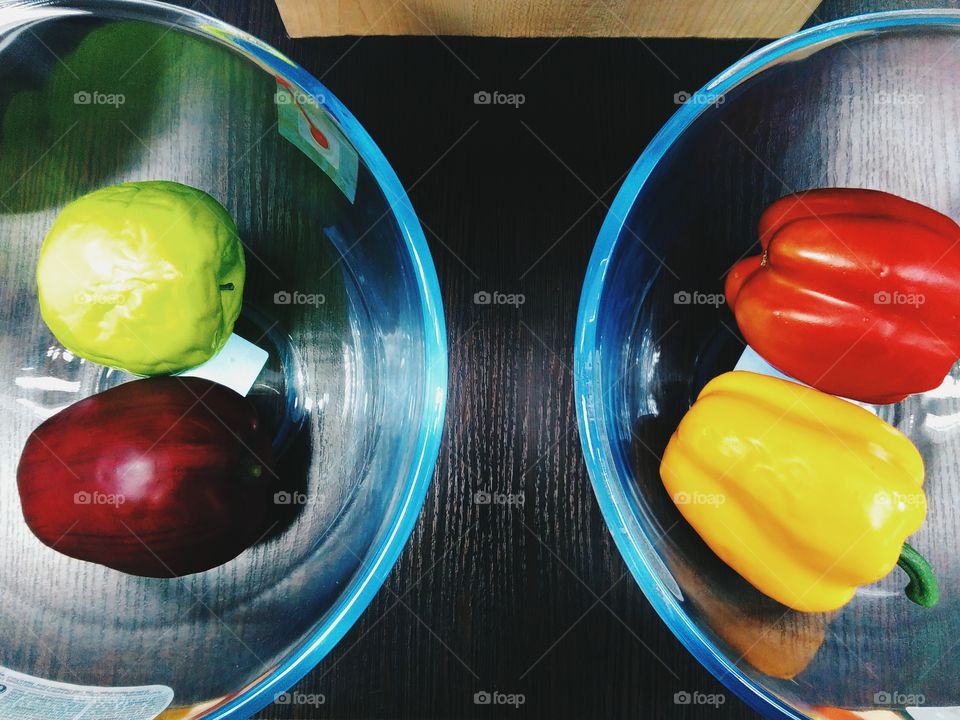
532, 599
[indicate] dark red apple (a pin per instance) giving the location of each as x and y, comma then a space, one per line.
160, 477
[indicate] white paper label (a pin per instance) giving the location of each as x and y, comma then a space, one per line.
23, 697
237, 365
931, 713
752, 362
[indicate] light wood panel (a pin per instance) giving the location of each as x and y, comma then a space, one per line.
546, 18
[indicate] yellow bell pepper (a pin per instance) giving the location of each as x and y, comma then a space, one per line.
805, 495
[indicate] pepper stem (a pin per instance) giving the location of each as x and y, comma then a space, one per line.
227, 286
922, 588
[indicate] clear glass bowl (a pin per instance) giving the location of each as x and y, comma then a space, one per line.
97, 93
870, 101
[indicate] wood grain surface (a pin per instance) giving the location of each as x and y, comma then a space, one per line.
545, 18
529, 596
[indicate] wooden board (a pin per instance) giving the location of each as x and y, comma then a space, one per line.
546, 18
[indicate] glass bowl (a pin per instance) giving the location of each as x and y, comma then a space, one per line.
341, 292
870, 101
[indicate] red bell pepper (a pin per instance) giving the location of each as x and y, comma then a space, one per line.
856, 292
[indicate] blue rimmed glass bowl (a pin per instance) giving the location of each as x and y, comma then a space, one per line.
870, 101
341, 292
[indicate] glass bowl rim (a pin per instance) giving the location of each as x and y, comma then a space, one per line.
378, 564
607, 483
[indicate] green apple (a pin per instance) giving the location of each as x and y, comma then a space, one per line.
145, 276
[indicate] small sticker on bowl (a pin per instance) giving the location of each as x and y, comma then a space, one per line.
31, 698
304, 122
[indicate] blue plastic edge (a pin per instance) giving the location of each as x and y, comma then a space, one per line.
600, 466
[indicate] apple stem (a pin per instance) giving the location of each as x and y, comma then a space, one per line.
227, 286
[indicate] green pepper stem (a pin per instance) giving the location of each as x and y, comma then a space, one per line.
227, 286
922, 588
